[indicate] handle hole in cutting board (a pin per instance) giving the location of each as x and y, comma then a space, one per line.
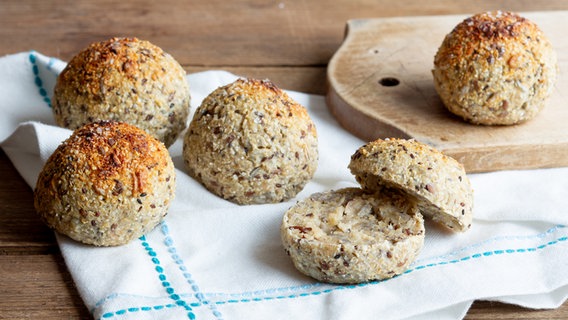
389, 82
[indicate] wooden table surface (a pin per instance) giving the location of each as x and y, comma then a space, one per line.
289, 42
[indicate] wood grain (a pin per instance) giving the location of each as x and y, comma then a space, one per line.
402, 49
303, 79
21, 231
289, 42
38, 287
216, 33
35, 280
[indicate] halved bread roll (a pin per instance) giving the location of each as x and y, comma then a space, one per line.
352, 236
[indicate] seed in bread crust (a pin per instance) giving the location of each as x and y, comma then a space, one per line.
495, 68
107, 184
352, 236
250, 143
127, 80
437, 183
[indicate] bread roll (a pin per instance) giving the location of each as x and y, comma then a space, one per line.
436, 182
352, 236
250, 143
495, 68
126, 80
107, 184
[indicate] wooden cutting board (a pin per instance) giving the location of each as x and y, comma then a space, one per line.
380, 85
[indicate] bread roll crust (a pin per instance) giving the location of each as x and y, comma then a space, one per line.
495, 68
127, 80
250, 143
107, 184
437, 183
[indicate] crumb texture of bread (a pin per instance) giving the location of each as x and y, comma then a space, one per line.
495, 68
436, 182
352, 236
250, 143
127, 80
107, 184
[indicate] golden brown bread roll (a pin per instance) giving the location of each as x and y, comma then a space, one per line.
495, 68
107, 184
127, 80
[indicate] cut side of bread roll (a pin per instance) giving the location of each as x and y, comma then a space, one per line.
352, 236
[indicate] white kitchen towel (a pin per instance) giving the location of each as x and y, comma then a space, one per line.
211, 259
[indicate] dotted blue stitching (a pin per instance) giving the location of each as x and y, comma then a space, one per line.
166, 284
488, 254
50, 65
109, 315
296, 295
117, 295
37, 80
280, 290
491, 240
423, 260
417, 268
169, 242
179, 302
471, 257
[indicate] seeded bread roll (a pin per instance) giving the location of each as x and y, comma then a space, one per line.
437, 183
127, 80
250, 143
351, 236
495, 68
105, 185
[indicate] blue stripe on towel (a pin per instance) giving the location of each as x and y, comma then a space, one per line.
481, 255
304, 290
163, 278
178, 301
169, 242
37, 79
